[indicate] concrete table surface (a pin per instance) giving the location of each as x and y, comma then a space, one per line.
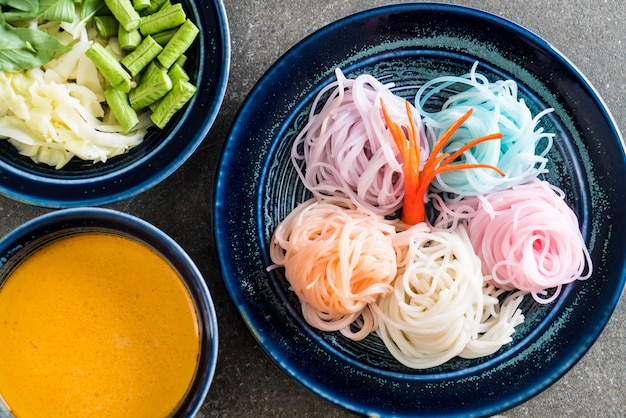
592, 34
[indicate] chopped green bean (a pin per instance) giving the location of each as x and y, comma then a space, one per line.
151, 69
141, 4
178, 45
118, 102
181, 60
166, 3
128, 40
164, 36
110, 67
173, 101
147, 50
154, 35
125, 14
154, 6
161, 20
155, 104
106, 26
151, 88
177, 73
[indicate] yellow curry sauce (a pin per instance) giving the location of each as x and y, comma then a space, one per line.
96, 325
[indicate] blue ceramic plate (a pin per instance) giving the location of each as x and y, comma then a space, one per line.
83, 183
257, 187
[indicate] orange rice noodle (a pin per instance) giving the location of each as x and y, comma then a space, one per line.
347, 149
527, 237
441, 307
338, 260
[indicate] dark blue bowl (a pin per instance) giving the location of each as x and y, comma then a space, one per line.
22, 241
257, 186
83, 183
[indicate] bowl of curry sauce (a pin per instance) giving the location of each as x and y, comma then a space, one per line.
102, 314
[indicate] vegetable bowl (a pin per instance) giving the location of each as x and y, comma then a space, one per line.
128, 145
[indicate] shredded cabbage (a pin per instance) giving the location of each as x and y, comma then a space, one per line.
55, 113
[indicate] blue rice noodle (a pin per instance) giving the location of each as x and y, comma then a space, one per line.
521, 153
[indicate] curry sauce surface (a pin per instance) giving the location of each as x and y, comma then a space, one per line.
96, 325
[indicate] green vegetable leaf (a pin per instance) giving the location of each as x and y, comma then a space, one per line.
62, 10
89, 8
24, 48
23, 5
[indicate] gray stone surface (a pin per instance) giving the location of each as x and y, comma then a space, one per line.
592, 34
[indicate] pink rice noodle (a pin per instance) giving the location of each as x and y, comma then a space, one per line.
346, 148
527, 237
